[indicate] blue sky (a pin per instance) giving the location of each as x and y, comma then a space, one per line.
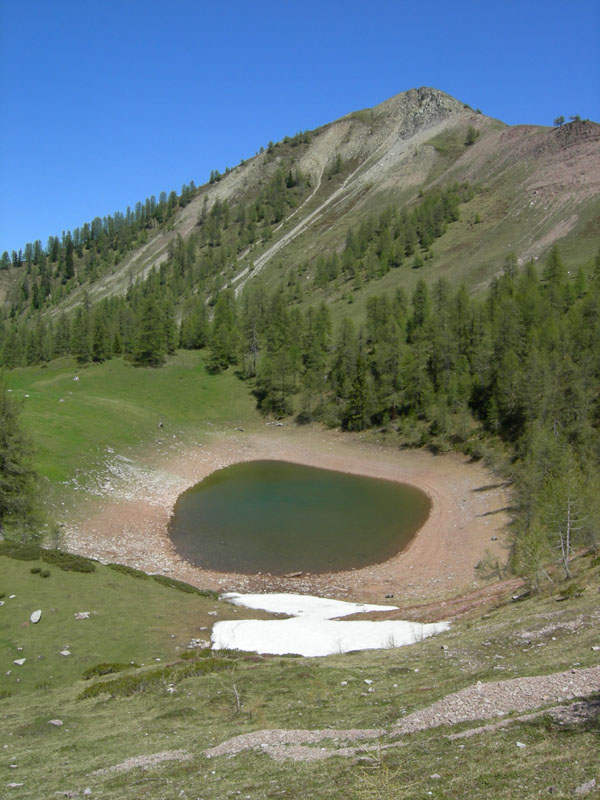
106, 103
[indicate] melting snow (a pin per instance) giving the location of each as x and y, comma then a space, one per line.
312, 629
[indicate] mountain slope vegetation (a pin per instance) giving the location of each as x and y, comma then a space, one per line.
416, 271
380, 271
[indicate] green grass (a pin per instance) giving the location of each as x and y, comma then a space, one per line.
185, 704
130, 620
117, 405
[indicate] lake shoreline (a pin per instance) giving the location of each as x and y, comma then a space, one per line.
468, 517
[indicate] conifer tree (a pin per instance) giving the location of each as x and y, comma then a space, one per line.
150, 348
17, 477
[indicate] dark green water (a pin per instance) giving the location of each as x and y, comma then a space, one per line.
272, 516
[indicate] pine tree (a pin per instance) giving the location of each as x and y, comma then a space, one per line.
17, 477
81, 344
150, 347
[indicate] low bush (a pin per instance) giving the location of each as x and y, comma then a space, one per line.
68, 561
22, 552
107, 669
153, 679
173, 583
132, 571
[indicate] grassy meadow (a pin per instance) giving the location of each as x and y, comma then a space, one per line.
189, 701
72, 413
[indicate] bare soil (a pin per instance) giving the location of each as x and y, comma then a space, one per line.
468, 518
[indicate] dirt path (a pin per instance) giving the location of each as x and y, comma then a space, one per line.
129, 523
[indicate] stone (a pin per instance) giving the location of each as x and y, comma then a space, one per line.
82, 615
65, 652
35, 616
521, 745
19, 661
56, 722
586, 788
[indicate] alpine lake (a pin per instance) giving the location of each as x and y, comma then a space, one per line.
276, 517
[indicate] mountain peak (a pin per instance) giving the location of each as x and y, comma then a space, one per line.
425, 105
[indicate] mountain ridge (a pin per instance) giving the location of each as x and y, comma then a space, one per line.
536, 186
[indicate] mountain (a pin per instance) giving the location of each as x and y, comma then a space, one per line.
532, 187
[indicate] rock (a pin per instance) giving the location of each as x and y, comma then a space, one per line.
596, 647
13, 785
521, 745
87, 790
56, 722
293, 574
435, 776
82, 615
65, 652
19, 661
586, 788
35, 617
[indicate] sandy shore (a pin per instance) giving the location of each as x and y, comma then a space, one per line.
127, 520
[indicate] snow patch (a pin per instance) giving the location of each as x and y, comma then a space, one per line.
301, 605
312, 631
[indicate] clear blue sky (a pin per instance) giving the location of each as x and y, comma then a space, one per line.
106, 103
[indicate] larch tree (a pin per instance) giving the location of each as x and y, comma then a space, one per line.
17, 477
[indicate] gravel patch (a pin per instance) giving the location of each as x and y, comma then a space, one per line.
494, 699
145, 762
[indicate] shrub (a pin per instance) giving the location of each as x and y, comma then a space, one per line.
22, 552
45, 573
132, 571
68, 561
173, 583
35, 570
152, 679
107, 669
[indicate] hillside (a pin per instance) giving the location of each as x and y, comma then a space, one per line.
411, 292
105, 707
533, 187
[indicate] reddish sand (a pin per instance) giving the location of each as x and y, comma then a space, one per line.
129, 524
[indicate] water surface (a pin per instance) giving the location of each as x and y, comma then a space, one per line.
277, 517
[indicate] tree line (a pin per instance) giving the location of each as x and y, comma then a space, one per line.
514, 375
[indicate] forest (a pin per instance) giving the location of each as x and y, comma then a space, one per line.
511, 376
